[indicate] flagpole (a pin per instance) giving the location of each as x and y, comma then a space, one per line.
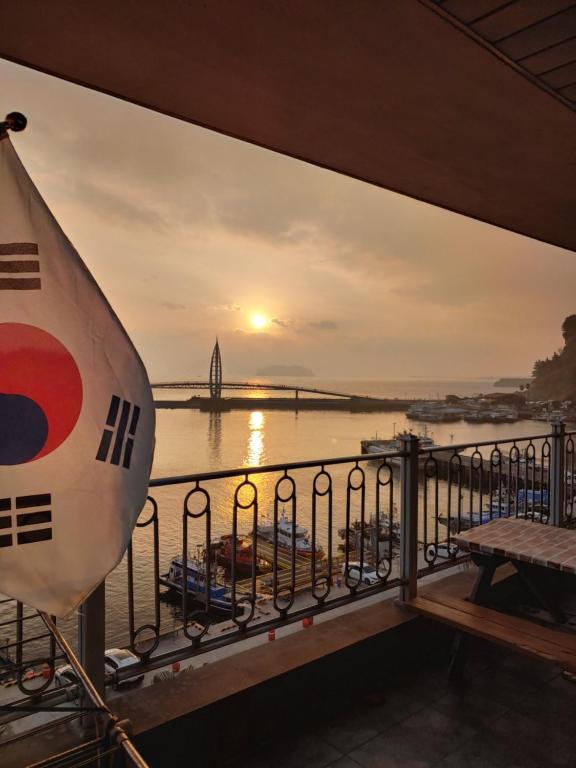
117, 727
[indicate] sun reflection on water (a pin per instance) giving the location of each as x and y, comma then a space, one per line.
255, 448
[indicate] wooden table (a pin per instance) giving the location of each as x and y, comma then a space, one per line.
535, 550
523, 541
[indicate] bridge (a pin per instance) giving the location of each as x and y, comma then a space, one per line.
324, 399
246, 385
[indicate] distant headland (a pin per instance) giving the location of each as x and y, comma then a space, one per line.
555, 376
284, 370
513, 382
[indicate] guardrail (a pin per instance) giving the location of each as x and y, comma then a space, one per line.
221, 556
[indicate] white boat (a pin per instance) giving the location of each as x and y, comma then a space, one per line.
394, 444
436, 411
288, 536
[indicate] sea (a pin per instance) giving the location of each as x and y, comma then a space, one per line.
191, 441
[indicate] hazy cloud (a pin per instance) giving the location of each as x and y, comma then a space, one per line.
324, 325
226, 308
169, 216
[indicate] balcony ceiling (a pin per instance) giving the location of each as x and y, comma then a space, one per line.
466, 104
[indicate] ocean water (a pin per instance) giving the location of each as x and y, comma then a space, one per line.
191, 441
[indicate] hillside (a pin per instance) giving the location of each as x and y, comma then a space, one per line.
555, 377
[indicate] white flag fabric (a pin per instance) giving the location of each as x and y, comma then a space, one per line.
76, 411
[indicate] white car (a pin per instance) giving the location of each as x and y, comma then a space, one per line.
114, 659
366, 574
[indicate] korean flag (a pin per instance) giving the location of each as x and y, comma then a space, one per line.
76, 411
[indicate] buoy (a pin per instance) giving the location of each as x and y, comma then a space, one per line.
176, 667
307, 622
271, 634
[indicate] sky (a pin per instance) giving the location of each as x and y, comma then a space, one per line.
193, 235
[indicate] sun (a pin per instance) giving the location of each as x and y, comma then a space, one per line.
258, 321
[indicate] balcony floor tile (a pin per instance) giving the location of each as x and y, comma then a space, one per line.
307, 751
421, 740
510, 712
368, 717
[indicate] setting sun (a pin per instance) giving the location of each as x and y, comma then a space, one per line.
258, 321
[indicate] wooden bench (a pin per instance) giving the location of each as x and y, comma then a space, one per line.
534, 551
518, 634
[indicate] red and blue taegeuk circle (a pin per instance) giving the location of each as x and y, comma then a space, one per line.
40, 393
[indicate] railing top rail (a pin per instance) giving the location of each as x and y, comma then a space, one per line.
197, 477
243, 471
484, 443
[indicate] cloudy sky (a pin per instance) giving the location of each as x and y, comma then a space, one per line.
192, 234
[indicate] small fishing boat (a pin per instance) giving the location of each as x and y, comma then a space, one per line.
428, 448
395, 444
197, 586
387, 530
492, 511
223, 549
289, 536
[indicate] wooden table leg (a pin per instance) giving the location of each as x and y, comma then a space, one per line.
479, 595
529, 577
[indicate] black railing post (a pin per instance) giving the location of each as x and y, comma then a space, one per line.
409, 517
91, 637
557, 474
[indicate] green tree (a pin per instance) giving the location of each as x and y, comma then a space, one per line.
569, 328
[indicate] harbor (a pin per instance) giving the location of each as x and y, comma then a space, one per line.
279, 567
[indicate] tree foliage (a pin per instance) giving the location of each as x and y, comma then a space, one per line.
569, 328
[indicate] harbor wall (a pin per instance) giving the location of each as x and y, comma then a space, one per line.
354, 404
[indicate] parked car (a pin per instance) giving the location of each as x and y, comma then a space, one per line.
442, 549
114, 660
367, 574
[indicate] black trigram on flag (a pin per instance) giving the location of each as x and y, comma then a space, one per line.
19, 269
25, 519
117, 441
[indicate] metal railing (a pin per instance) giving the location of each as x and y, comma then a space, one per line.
89, 733
221, 556
297, 529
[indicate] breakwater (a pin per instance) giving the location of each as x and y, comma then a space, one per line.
351, 404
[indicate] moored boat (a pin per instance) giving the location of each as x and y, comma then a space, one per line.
289, 537
395, 444
197, 585
223, 549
